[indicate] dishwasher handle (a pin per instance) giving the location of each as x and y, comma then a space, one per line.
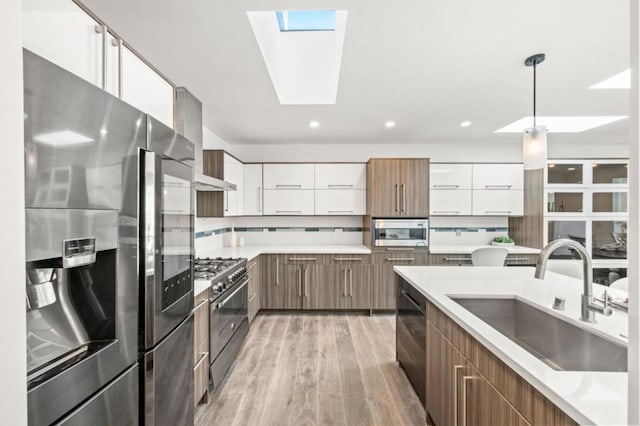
413, 301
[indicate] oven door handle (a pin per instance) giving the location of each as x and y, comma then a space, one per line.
221, 304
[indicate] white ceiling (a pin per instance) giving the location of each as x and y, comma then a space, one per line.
426, 64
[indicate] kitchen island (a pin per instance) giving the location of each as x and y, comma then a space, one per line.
586, 397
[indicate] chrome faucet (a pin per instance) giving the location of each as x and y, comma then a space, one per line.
589, 307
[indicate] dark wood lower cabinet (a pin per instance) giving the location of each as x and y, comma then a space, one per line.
253, 295
383, 281
467, 385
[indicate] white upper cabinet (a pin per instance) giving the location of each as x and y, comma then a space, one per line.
252, 189
341, 202
450, 176
289, 202
341, 176
64, 34
288, 176
499, 202
143, 88
112, 76
233, 172
455, 202
498, 176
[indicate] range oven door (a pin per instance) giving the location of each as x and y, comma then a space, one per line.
226, 316
167, 249
411, 325
393, 232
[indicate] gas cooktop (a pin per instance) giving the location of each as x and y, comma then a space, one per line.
220, 273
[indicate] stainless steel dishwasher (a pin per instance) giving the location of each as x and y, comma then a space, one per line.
411, 335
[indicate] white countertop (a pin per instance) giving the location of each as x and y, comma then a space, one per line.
588, 397
252, 251
467, 249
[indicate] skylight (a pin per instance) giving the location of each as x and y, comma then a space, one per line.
571, 124
306, 20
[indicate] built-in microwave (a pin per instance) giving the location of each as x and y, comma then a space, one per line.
400, 232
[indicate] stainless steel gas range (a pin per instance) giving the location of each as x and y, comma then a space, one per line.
228, 321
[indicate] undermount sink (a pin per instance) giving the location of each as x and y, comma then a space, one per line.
558, 343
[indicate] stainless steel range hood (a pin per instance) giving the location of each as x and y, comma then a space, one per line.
189, 125
207, 183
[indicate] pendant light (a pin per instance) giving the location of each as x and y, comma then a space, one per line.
534, 139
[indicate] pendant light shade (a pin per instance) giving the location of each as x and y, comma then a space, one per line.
534, 148
534, 139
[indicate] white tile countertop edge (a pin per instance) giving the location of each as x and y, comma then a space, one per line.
467, 249
588, 397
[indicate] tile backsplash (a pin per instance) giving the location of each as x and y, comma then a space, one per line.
213, 233
466, 230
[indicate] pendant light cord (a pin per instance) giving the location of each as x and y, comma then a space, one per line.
534, 94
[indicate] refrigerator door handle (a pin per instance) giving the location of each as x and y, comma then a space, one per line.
149, 238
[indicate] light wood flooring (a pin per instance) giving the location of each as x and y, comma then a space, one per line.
316, 369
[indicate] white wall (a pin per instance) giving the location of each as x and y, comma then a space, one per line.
441, 152
13, 395
634, 221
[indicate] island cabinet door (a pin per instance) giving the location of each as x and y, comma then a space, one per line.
483, 405
445, 370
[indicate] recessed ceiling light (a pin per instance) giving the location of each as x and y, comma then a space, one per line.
314, 124
618, 81
62, 138
556, 124
103, 131
571, 169
465, 123
390, 124
551, 166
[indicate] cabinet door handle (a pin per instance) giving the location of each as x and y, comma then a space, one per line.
397, 198
259, 199
399, 249
404, 197
306, 284
446, 212
456, 368
103, 31
251, 265
277, 271
457, 259
518, 258
252, 297
465, 380
299, 282
400, 259
226, 204
350, 282
497, 186
288, 186
339, 211
347, 259
302, 259
340, 186
345, 282
288, 211
497, 211
446, 186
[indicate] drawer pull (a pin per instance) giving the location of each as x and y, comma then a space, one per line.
251, 265
288, 186
497, 211
399, 249
400, 259
203, 356
340, 186
253, 296
288, 211
302, 259
347, 259
340, 211
497, 186
202, 302
457, 259
446, 212
446, 186
518, 258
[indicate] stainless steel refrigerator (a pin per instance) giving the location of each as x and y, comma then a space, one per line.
109, 213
